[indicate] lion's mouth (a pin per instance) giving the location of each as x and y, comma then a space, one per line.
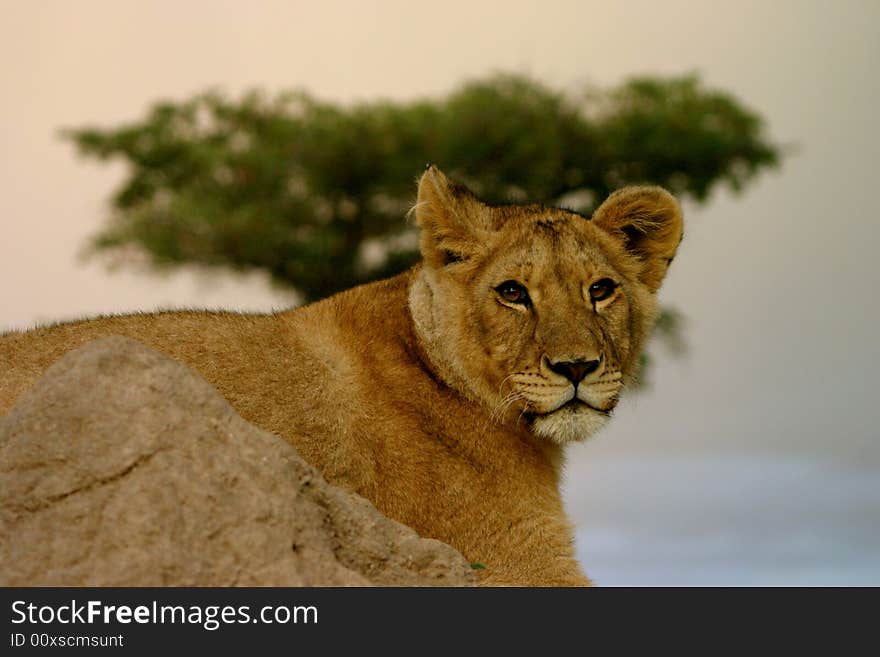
576, 403
571, 405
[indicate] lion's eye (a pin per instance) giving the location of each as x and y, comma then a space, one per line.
602, 289
513, 292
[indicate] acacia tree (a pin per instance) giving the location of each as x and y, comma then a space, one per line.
316, 193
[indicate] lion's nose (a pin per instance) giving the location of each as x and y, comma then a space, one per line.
575, 370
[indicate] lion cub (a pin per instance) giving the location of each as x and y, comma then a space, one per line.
444, 395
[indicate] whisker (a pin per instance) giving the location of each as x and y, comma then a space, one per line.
500, 408
513, 399
503, 404
505, 380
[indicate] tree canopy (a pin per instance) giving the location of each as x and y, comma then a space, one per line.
316, 193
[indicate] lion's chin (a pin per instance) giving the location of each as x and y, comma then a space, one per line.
569, 424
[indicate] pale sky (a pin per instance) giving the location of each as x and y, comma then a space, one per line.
779, 285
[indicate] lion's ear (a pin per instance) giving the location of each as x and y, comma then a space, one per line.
455, 224
648, 221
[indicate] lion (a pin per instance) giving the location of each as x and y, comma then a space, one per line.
445, 395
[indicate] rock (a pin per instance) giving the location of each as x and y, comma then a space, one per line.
122, 467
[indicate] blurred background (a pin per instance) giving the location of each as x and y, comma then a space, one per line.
236, 155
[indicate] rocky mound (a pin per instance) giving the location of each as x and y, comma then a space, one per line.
122, 467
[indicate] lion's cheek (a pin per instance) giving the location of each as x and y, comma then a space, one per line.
500, 341
618, 347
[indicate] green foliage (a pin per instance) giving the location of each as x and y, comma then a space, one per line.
309, 191
316, 193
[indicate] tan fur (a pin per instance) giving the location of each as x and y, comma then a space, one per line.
429, 393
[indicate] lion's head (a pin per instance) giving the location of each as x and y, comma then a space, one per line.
540, 313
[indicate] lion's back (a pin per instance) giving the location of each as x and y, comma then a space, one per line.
210, 342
